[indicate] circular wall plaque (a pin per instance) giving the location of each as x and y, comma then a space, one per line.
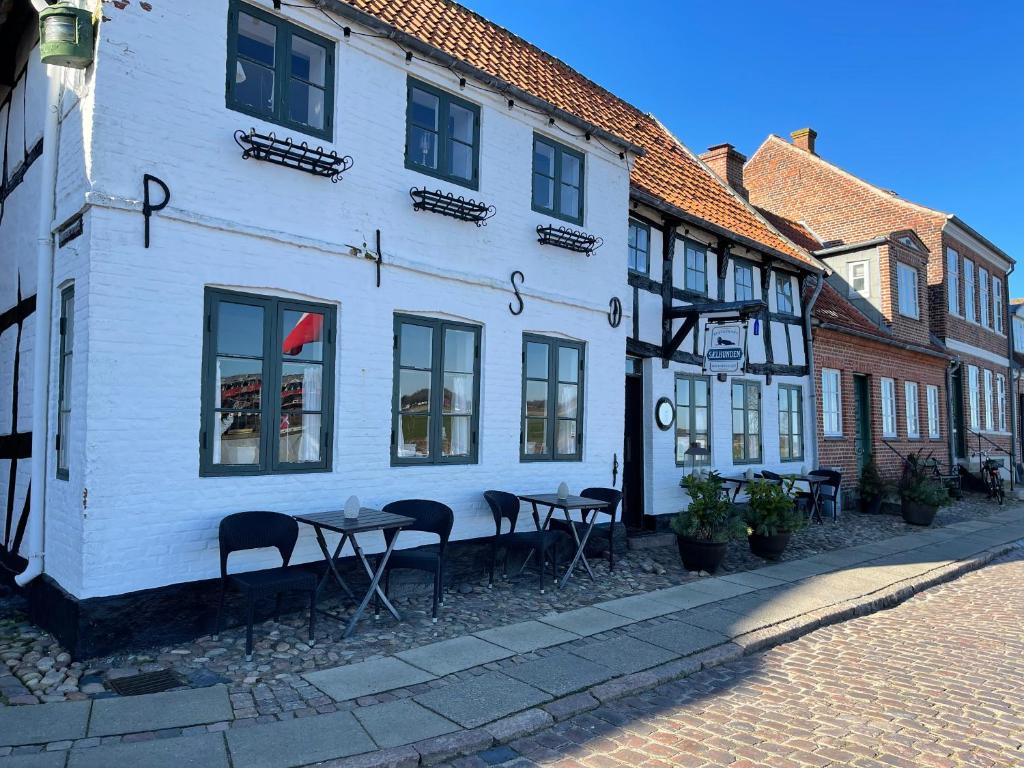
664, 413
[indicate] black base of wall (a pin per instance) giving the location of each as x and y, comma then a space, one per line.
179, 613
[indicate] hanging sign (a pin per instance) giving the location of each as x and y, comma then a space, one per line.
725, 348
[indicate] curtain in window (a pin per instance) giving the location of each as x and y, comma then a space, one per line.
312, 396
462, 397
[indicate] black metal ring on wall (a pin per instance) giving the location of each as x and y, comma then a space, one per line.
614, 312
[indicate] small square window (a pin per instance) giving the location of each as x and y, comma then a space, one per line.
743, 282
558, 174
639, 247
858, 276
442, 135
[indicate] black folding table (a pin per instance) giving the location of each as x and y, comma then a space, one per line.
584, 505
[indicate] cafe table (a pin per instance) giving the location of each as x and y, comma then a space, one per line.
584, 505
369, 521
814, 483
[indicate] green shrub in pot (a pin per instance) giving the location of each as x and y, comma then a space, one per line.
871, 488
921, 493
705, 527
771, 517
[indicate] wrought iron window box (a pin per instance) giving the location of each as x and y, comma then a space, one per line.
285, 152
447, 204
570, 239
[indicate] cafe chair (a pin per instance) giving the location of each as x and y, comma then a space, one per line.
431, 517
260, 530
544, 544
609, 495
829, 491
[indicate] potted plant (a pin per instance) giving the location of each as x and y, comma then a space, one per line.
771, 517
921, 494
871, 488
704, 528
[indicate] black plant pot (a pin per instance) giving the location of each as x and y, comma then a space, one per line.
871, 506
769, 547
916, 513
701, 555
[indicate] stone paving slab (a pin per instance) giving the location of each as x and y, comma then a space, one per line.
624, 654
636, 607
454, 655
402, 722
156, 711
721, 621
561, 673
526, 636
586, 621
367, 677
681, 638
298, 742
683, 597
720, 589
202, 751
482, 699
42, 723
794, 570
753, 579
37, 760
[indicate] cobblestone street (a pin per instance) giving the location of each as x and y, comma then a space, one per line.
936, 681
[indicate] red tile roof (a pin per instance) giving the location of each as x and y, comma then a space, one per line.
794, 230
832, 307
668, 170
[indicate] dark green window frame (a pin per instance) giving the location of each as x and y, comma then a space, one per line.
791, 428
444, 135
742, 453
551, 381
747, 285
283, 73
436, 405
67, 340
695, 269
784, 301
688, 387
639, 258
272, 362
560, 151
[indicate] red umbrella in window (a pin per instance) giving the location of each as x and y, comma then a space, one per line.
307, 330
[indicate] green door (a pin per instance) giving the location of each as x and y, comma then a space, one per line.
956, 421
862, 406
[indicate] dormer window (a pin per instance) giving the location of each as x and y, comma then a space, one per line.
858, 277
906, 287
442, 135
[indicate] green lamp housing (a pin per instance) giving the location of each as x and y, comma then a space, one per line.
66, 36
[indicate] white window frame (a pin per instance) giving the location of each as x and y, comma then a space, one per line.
969, 312
932, 396
953, 281
983, 297
1017, 328
912, 410
831, 402
852, 277
989, 421
888, 398
1001, 401
998, 313
973, 397
907, 298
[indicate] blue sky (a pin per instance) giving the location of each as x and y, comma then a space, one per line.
925, 98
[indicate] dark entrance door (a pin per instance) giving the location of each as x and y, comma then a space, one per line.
862, 414
956, 416
633, 449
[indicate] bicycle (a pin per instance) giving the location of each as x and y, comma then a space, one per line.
992, 476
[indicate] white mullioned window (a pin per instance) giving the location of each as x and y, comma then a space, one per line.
973, 396
997, 304
953, 280
906, 287
858, 278
888, 408
911, 409
1001, 401
969, 290
1017, 326
831, 400
932, 394
983, 297
988, 400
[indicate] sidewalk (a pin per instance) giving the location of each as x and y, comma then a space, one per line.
432, 703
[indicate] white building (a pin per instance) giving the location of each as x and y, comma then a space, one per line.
284, 341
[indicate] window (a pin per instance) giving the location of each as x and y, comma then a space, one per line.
973, 397
268, 368
639, 247
557, 180
831, 399
911, 409
988, 400
953, 280
746, 421
997, 304
442, 135
67, 343
906, 286
696, 262
693, 406
743, 275
552, 399
858, 277
784, 293
983, 297
888, 408
279, 72
1018, 334
436, 391
969, 290
791, 423
932, 393
1001, 401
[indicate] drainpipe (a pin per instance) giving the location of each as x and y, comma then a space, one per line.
809, 356
43, 324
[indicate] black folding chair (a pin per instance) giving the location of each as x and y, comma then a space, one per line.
259, 530
505, 506
828, 491
610, 495
431, 517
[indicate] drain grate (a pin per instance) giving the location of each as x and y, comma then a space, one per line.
147, 682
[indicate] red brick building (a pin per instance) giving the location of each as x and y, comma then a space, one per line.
940, 285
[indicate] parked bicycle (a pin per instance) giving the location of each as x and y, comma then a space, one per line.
992, 476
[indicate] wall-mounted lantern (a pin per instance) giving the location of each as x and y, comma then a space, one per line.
66, 36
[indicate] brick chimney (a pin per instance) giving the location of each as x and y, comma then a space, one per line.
804, 139
724, 160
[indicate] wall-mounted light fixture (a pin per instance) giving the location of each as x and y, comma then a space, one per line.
66, 36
